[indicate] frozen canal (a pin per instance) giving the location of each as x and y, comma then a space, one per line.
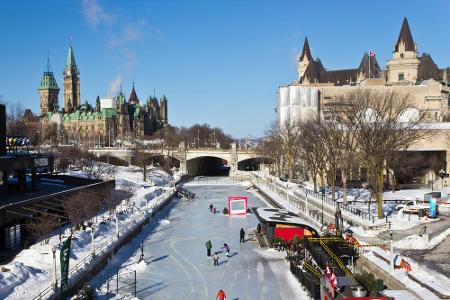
175, 254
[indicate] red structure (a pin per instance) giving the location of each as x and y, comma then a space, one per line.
288, 232
237, 205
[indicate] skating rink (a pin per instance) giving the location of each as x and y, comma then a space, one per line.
175, 254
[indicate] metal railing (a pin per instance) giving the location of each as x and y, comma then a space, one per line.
100, 249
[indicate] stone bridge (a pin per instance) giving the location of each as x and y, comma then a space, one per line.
191, 160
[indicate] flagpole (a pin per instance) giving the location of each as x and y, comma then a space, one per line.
369, 64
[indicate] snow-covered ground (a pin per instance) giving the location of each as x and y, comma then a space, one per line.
176, 265
424, 274
432, 278
415, 242
358, 200
31, 270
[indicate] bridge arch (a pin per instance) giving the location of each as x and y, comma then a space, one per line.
207, 165
250, 164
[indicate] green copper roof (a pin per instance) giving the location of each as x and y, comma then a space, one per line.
70, 58
121, 98
48, 82
108, 113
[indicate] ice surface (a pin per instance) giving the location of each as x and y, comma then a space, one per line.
177, 265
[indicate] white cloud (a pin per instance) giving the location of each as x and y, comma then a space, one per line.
130, 33
115, 85
94, 13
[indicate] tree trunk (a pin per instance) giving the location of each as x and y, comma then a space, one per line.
344, 187
380, 193
332, 180
145, 172
314, 177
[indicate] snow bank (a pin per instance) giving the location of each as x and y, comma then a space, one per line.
430, 277
415, 242
31, 271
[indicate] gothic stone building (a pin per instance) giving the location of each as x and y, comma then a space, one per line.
408, 72
82, 123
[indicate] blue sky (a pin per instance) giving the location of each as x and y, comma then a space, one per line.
218, 62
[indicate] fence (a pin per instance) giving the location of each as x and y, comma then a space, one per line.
124, 282
101, 249
311, 284
319, 200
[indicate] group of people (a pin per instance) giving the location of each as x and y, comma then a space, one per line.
216, 258
208, 245
212, 209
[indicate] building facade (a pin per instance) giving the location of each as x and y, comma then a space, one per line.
111, 118
316, 89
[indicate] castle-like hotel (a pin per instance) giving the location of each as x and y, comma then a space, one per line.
316, 89
111, 118
407, 72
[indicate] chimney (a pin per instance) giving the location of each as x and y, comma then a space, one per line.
2, 130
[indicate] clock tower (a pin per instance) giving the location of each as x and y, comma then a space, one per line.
71, 83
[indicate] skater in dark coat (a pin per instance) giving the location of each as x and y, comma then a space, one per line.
211, 207
242, 236
208, 245
227, 249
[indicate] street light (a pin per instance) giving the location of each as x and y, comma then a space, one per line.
92, 240
55, 280
323, 196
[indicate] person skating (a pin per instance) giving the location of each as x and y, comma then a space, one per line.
208, 245
221, 295
211, 207
227, 249
216, 259
242, 236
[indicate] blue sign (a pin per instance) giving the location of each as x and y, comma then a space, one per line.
433, 208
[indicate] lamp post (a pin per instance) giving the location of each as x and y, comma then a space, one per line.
117, 224
442, 175
92, 241
55, 280
323, 195
391, 261
287, 192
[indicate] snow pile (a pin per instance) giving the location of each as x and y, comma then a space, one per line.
165, 221
31, 271
415, 242
430, 277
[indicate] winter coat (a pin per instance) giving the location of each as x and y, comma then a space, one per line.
208, 245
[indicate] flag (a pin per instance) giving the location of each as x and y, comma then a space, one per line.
64, 262
333, 280
371, 53
327, 271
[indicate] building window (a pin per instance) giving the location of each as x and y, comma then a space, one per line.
436, 116
401, 55
401, 76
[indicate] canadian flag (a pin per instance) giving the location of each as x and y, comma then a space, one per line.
333, 280
327, 271
371, 53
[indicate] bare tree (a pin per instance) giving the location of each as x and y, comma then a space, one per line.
381, 130
270, 152
73, 208
41, 226
287, 137
311, 152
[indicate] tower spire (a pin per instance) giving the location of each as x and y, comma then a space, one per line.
405, 37
306, 51
48, 61
70, 62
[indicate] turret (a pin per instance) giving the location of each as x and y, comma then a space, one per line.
48, 92
305, 59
